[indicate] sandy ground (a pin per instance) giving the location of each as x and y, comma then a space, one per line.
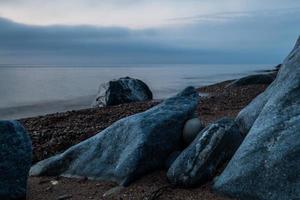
54, 133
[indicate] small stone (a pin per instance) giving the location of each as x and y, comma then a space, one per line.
191, 129
64, 197
49, 188
113, 192
54, 182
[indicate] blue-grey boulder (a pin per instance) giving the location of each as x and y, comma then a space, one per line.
130, 147
200, 161
122, 90
15, 155
267, 164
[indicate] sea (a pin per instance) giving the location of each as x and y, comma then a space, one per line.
27, 91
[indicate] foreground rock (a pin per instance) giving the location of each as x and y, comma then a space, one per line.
266, 166
213, 147
123, 90
15, 155
254, 79
130, 147
191, 129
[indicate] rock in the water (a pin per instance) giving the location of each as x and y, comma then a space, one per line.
254, 79
123, 90
267, 164
15, 155
130, 147
191, 129
213, 146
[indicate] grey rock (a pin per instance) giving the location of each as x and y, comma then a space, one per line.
130, 147
191, 129
267, 164
254, 79
15, 155
123, 90
171, 159
199, 162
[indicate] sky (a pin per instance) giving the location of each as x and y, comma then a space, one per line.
101, 32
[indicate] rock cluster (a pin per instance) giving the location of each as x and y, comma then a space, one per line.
15, 155
130, 147
213, 147
263, 166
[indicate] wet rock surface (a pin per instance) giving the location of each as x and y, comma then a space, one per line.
15, 155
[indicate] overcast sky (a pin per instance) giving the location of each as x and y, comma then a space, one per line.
95, 32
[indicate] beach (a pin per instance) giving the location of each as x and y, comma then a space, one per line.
54, 133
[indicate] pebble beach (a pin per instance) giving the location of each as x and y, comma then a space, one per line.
54, 133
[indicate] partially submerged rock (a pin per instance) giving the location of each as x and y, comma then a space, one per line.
266, 166
191, 129
123, 90
213, 146
15, 155
254, 79
130, 147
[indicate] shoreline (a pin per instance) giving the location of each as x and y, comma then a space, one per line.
59, 102
54, 133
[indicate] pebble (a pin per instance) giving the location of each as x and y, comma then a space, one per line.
64, 197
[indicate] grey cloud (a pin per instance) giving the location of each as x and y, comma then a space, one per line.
260, 38
238, 15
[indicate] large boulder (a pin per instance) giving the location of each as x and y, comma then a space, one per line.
128, 148
254, 79
123, 90
15, 155
199, 162
267, 164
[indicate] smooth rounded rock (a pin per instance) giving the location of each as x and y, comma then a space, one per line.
191, 129
122, 90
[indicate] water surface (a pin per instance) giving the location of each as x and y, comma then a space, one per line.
35, 90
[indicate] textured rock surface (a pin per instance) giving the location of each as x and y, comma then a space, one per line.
253, 79
123, 90
266, 166
171, 159
199, 162
191, 129
15, 155
130, 147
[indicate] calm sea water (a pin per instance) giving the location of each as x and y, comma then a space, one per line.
29, 91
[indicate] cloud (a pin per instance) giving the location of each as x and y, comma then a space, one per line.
234, 34
135, 14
